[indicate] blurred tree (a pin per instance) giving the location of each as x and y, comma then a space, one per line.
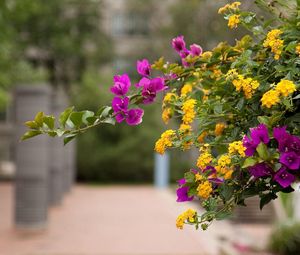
63, 36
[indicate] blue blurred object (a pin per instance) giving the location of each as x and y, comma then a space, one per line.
161, 170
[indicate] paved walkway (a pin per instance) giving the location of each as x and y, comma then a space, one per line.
109, 220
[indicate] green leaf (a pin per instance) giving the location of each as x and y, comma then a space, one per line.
69, 138
265, 199
218, 109
30, 134
87, 114
106, 112
249, 162
223, 215
39, 119
111, 121
77, 118
189, 177
64, 116
226, 191
262, 151
264, 120
31, 124
49, 121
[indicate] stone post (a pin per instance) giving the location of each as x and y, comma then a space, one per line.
57, 157
161, 170
31, 189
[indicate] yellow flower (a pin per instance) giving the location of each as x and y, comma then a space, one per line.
298, 49
232, 73
189, 215
204, 189
204, 159
165, 141
169, 97
198, 177
224, 160
285, 87
270, 98
219, 129
248, 85
188, 111
187, 88
234, 6
184, 128
166, 115
237, 147
202, 136
233, 21
228, 174
274, 43
206, 55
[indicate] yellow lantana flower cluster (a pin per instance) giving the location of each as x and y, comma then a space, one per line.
204, 159
236, 147
186, 89
297, 49
169, 97
274, 43
166, 115
202, 136
229, 7
233, 21
188, 111
248, 85
219, 128
223, 166
165, 141
272, 97
204, 189
189, 215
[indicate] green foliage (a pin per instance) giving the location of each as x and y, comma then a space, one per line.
285, 239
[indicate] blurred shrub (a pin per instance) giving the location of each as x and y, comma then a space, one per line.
119, 154
285, 240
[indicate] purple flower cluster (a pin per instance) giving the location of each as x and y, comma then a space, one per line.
257, 135
179, 45
150, 87
288, 147
120, 102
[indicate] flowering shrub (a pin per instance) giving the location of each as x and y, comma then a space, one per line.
238, 105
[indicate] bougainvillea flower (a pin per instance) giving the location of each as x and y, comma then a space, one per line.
283, 138
151, 88
134, 116
120, 104
216, 180
294, 145
196, 50
143, 82
283, 177
170, 76
120, 107
260, 134
181, 182
209, 170
143, 67
290, 159
261, 170
178, 43
121, 85
249, 145
182, 194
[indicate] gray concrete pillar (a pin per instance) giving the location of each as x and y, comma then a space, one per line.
57, 157
70, 165
161, 170
31, 189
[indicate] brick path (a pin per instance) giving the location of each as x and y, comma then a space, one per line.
108, 220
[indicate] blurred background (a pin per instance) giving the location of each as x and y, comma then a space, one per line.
58, 53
